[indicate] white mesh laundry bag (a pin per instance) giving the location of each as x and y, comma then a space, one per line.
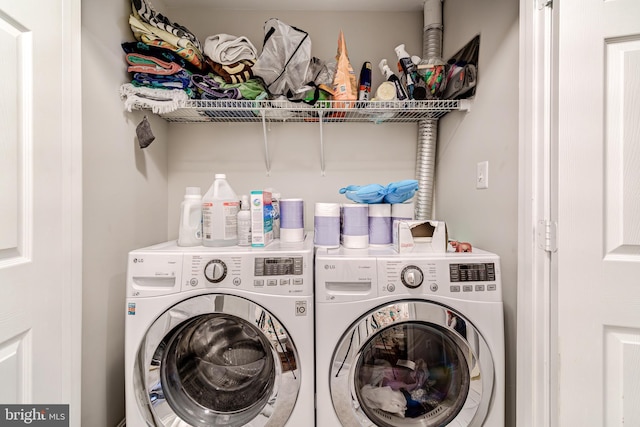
284, 61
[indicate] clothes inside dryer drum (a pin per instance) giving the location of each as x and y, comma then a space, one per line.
419, 364
217, 364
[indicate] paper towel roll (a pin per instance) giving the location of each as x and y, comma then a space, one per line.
380, 231
291, 220
326, 225
402, 211
355, 225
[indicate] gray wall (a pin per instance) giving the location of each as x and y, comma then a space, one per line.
124, 207
487, 218
132, 196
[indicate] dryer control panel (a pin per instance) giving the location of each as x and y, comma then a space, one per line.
343, 276
476, 272
477, 280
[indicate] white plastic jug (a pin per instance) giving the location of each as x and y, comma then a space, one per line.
220, 207
190, 231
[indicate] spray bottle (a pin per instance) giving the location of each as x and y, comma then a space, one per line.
244, 222
390, 76
410, 71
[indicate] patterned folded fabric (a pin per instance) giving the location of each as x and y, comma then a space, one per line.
238, 72
147, 33
208, 88
179, 80
144, 9
159, 52
190, 55
251, 89
148, 64
159, 101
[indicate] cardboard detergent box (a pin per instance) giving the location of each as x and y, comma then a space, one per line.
419, 236
261, 218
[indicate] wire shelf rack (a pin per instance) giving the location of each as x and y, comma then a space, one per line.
197, 111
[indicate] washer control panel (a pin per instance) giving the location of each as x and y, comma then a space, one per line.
275, 274
278, 266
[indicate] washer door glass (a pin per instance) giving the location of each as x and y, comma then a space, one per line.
217, 360
413, 363
217, 364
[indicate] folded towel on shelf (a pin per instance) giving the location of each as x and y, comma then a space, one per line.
163, 53
237, 72
147, 33
208, 88
251, 89
159, 101
193, 56
145, 11
227, 49
148, 64
179, 80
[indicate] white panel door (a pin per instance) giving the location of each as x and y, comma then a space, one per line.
599, 212
40, 203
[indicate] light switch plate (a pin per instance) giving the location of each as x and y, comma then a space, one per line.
482, 175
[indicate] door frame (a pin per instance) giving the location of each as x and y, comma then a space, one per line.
72, 198
536, 382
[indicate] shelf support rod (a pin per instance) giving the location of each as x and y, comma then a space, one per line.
322, 172
267, 158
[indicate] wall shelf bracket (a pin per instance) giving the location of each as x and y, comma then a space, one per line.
267, 158
320, 121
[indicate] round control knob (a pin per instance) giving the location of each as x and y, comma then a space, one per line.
215, 271
411, 276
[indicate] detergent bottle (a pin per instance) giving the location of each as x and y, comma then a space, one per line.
220, 207
190, 231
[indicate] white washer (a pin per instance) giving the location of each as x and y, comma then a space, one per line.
220, 336
409, 339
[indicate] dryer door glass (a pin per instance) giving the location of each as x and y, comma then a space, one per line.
413, 371
412, 363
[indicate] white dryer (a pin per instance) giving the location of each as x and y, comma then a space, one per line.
220, 336
409, 339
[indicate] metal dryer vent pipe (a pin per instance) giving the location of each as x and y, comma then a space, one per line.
428, 128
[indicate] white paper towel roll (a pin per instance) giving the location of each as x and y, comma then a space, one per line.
291, 220
402, 211
326, 225
355, 225
380, 224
